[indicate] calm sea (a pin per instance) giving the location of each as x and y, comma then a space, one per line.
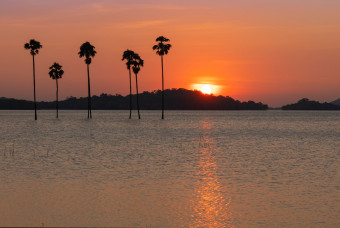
193, 169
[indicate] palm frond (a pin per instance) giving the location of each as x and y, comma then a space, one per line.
87, 50
137, 63
162, 39
55, 71
162, 48
136, 69
88, 60
34, 46
128, 55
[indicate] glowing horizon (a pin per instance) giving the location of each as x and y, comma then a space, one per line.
273, 52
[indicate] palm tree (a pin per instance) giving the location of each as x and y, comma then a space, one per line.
137, 63
87, 50
128, 56
162, 48
34, 46
56, 73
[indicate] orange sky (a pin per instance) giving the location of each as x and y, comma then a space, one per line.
275, 52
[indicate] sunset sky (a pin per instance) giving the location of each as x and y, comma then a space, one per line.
271, 51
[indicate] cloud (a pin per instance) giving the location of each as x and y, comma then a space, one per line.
141, 24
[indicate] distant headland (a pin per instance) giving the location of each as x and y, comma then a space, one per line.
175, 99
306, 104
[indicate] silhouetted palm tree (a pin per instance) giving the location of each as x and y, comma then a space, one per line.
87, 50
162, 49
34, 46
128, 56
137, 64
56, 73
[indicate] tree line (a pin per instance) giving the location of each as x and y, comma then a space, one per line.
133, 61
176, 99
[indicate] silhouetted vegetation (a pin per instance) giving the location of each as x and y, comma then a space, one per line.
87, 50
34, 47
336, 102
162, 48
56, 73
306, 104
15, 104
176, 99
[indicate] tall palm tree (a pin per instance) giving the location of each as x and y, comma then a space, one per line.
34, 46
128, 56
56, 73
162, 48
87, 50
137, 64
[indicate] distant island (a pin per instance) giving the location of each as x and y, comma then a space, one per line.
175, 99
336, 102
306, 104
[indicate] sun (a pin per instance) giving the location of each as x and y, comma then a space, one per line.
206, 89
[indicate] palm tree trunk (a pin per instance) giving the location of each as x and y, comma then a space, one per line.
162, 89
89, 114
130, 93
35, 102
137, 97
57, 95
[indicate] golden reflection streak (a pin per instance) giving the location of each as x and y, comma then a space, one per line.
211, 206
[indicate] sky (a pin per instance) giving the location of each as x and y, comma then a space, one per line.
270, 51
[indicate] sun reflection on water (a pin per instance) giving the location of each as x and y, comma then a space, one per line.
211, 206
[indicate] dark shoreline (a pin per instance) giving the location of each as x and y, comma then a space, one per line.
175, 99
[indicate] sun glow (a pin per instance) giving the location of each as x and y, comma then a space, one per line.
206, 89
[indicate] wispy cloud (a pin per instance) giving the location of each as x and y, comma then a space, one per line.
141, 24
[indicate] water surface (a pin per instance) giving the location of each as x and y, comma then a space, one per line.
193, 169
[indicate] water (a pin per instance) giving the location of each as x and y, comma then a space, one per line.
193, 169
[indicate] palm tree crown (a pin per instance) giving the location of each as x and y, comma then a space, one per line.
137, 63
162, 48
87, 50
55, 71
128, 56
34, 46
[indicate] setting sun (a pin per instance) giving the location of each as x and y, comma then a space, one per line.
206, 89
